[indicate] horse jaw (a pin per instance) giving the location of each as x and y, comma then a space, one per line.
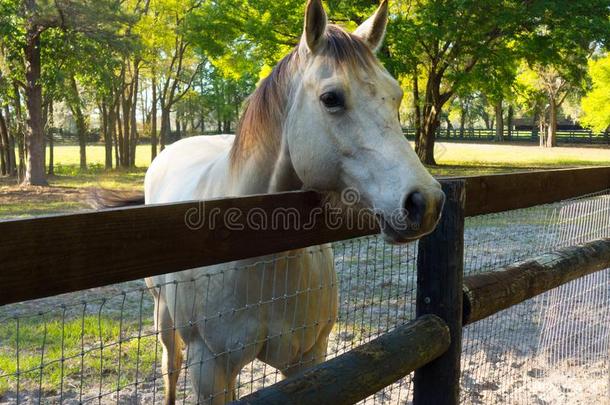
284, 177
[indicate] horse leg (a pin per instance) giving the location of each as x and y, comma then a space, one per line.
213, 377
171, 361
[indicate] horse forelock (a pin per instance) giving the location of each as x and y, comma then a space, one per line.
260, 127
347, 51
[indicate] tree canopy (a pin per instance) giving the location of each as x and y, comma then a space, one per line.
596, 104
157, 70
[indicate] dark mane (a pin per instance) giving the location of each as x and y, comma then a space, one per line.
260, 127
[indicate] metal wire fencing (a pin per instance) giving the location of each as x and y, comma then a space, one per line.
102, 346
551, 349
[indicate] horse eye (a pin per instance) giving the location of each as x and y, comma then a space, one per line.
332, 100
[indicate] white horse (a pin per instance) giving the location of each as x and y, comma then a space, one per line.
325, 119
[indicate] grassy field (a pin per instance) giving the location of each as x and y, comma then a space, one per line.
68, 155
470, 158
69, 187
87, 345
465, 157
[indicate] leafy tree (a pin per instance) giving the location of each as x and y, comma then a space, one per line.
453, 42
548, 90
445, 41
25, 26
172, 61
596, 103
189, 65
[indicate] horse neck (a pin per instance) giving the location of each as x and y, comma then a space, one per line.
272, 174
270, 169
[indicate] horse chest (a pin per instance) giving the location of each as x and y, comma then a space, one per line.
284, 302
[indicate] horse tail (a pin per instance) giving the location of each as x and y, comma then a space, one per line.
104, 199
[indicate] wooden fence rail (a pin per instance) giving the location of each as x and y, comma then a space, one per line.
489, 293
41, 257
505, 192
363, 371
54, 255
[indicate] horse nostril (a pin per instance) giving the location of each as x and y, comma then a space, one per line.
415, 207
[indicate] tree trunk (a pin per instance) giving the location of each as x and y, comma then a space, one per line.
126, 104
51, 168
488, 122
3, 153
219, 120
433, 103
449, 126
416, 108
428, 139
104, 131
509, 123
499, 121
542, 129
11, 143
109, 128
462, 121
133, 137
19, 138
425, 146
238, 103
116, 131
81, 126
35, 173
153, 120
165, 125
551, 140
7, 157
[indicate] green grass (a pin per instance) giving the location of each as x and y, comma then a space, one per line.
454, 159
97, 176
34, 209
68, 191
78, 342
68, 155
506, 158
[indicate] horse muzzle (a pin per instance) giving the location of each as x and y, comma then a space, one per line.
417, 217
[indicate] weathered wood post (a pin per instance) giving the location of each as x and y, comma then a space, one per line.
440, 265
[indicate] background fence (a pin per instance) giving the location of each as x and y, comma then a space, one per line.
582, 136
100, 345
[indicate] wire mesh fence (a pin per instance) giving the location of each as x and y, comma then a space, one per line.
102, 346
551, 349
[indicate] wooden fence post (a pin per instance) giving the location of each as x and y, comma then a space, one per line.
440, 265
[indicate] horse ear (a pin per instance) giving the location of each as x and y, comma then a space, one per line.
372, 30
315, 24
